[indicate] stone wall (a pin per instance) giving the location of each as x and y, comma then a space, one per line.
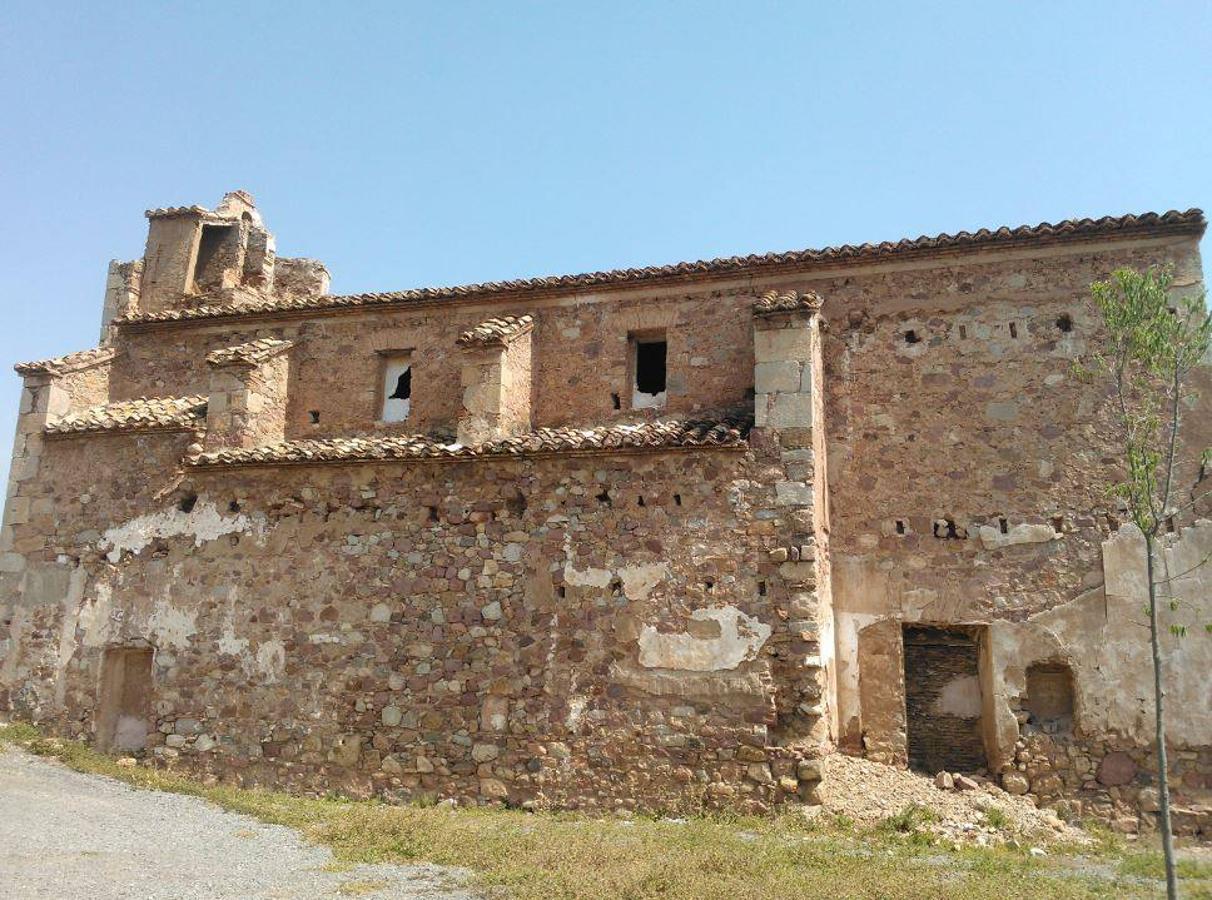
554, 630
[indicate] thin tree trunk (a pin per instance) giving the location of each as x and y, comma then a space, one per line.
1159, 696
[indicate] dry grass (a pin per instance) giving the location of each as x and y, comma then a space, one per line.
525, 855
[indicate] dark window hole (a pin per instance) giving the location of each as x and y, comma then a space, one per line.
639, 500
650, 366
911, 337
761, 589
403, 389
234, 506
709, 584
616, 587
561, 592
945, 529
314, 416
431, 514
1064, 322
188, 502
615, 401
604, 497
1013, 330
677, 499
1002, 525
900, 526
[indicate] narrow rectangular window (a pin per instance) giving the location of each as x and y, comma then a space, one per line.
649, 365
397, 388
217, 249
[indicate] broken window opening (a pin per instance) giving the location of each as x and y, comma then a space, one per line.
397, 389
946, 529
649, 358
1064, 322
210, 262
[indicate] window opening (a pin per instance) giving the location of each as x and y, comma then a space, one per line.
650, 373
314, 416
209, 265
397, 390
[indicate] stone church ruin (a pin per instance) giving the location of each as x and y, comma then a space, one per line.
651, 538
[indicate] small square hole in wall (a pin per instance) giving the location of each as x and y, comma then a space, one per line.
912, 337
313, 416
397, 388
901, 527
1064, 322
649, 354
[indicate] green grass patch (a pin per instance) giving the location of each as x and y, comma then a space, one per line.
564, 855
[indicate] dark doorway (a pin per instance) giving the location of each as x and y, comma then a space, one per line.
124, 715
943, 699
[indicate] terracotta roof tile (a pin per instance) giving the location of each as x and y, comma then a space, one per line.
773, 302
164, 212
1192, 222
250, 354
499, 330
730, 432
142, 414
73, 362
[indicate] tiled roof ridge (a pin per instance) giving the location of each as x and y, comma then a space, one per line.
70, 362
775, 302
248, 354
729, 432
137, 414
1192, 220
497, 330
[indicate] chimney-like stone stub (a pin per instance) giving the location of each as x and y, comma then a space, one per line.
246, 406
496, 379
225, 255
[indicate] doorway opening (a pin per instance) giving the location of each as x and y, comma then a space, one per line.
125, 711
943, 699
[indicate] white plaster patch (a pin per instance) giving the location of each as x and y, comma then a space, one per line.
640, 400
172, 627
271, 660
204, 523
959, 697
992, 538
94, 616
639, 580
740, 638
586, 577
576, 712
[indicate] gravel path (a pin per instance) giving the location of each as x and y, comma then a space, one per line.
64, 834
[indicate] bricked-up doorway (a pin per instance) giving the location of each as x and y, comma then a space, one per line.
125, 712
943, 699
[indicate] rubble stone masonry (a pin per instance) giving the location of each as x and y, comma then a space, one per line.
529, 591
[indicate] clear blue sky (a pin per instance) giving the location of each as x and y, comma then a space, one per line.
412, 144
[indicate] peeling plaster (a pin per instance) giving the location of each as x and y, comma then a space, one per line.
172, 627
1023, 533
740, 638
204, 523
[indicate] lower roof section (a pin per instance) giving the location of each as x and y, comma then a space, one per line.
725, 432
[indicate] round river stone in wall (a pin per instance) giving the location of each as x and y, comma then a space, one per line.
1115, 769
